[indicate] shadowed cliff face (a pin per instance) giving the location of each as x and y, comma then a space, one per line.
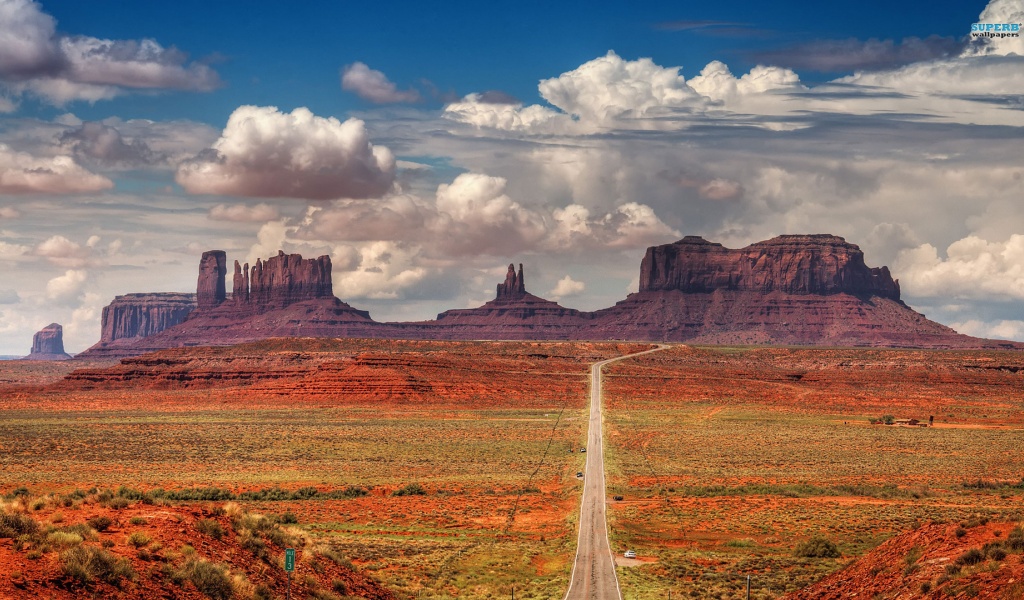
793, 264
48, 344
142, 315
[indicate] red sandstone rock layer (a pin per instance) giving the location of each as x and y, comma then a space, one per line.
210, 291
48, 344
794, 290
793, 264
141, 315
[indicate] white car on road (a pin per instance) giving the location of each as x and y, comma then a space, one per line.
630, 554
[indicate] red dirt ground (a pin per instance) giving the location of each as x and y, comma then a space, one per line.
169, 527
902, 565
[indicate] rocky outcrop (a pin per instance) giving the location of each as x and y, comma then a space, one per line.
792, 264
514, 287
514, 314
286, 279
793, 290
283, 296
48, 344
240, 285
135, 316
210, 290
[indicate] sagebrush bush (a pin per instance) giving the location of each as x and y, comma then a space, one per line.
817, 547
971, 557
210, 527
210, 579
139, 539
412, 489
63, 539
14, 524
85, 564
101, 523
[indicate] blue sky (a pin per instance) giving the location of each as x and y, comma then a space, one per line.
135, 135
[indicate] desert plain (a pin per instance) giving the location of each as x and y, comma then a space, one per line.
424, 469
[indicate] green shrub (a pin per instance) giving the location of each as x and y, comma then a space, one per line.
63, 539
817, 547
1014, 541
252, 542
971, 557
101, 523
960, 532
14, 524
116, 503
138, 521
288, 518
139, 539
210, 527
210, 579
412, 489
85, 564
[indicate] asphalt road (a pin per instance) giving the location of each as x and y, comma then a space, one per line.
593, 572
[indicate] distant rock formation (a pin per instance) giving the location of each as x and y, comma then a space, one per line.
792, 289
141, 315
210, 290
792, 264
514, 314
286, 279
48, 344
283, 296
514, 287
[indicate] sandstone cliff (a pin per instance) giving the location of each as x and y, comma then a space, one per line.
793, 264
141, 315
48, 344
210, 290
792, 289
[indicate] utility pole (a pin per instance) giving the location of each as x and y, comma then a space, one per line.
748, 587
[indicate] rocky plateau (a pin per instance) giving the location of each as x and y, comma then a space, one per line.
791, 290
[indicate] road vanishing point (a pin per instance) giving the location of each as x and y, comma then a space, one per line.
593, 571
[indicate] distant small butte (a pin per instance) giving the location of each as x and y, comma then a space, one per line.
809, 290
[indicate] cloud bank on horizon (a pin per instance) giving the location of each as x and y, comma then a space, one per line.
915, 157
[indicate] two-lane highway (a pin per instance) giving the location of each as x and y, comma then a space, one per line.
593, 572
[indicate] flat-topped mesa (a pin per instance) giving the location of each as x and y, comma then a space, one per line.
142, 315
514, 287
210, 290
286, 279
794, 264
48, 344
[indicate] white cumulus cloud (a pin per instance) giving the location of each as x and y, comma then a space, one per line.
609, 87
973, 268
67, 287
567, 287
257, 213
370, 84
265, 153
61, 251
36, 58
22, 173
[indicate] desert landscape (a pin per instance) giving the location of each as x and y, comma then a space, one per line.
478, 301
443, 470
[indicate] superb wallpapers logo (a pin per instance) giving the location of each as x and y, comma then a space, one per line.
995, 30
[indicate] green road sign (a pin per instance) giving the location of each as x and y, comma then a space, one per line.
289, 559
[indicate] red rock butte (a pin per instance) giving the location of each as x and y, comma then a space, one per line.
48, 344
791, 290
